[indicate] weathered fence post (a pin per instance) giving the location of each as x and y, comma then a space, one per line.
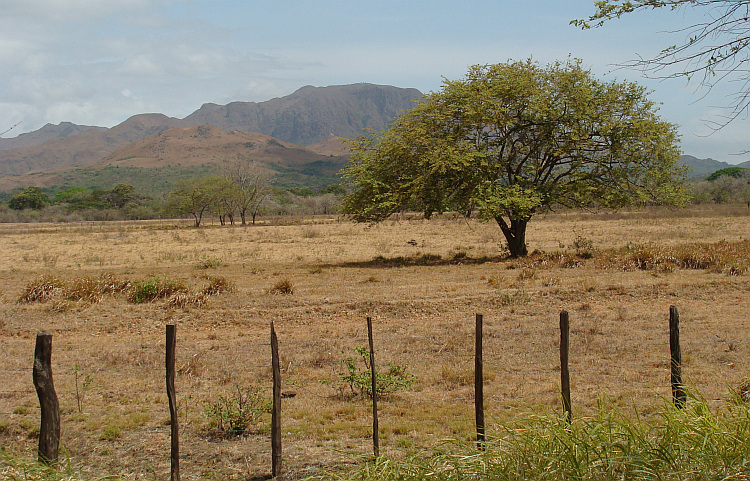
679, 397
276, 411
479, 383
373, 379
173, 418
49, 429
564, 367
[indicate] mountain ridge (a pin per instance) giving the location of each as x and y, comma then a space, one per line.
308, 116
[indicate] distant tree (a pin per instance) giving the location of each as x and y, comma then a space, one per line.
30, 198
253, 186
225, 195
715, 49
731, 185
514, 139
73, 195
121, 195
734, 172
193, 197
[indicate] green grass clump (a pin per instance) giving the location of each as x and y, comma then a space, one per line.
20, 468
692, 444
155, 288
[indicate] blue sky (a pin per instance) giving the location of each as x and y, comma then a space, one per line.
97, 62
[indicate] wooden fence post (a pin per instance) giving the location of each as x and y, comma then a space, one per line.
564, 367
171, 395
479, 383
679, 398
373, 379
49, 429
276, 411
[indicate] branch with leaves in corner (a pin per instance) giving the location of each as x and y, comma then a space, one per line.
714, 50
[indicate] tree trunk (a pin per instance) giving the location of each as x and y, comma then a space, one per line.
515, 235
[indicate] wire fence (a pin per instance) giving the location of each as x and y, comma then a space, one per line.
118, 395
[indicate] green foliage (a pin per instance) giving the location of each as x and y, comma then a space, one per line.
359, 380
22, 468
155, 288
30, 198
514, 139
583, 246
734, 172
235, 413
111, 433
731, 185
697, 443
195, 197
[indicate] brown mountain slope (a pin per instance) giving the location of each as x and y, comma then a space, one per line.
311, 114
83, 149
45, 134
330, 146
205, 144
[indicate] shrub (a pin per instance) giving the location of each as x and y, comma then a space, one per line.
284, 286
217, 285
234, 414
359, 380
155, 288
41, 289
109, 284
184, 299
84, 288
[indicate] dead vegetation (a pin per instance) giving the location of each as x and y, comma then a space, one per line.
420, 281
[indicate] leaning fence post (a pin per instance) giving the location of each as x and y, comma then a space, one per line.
564, 367
171, 395
373, 380
679, 398
276, 410
49, 429
479, 383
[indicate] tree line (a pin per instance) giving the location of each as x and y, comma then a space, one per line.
241, 192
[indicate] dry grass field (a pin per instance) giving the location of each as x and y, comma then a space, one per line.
422, 283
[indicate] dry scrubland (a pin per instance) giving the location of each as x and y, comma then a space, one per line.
423, 311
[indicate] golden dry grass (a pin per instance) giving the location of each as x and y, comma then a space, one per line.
421, 281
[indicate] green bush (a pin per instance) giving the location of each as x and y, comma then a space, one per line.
155, 288
359, 380
234, 414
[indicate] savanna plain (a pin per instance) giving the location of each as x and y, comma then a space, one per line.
318, 279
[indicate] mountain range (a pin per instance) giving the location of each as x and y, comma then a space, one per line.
299, 137
301, 132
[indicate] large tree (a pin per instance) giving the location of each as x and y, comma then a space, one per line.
513, 139
713, 50
30, 198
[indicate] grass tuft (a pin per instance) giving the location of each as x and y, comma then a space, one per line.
695, 443
41, 289
217, 285
155, 288
284, 286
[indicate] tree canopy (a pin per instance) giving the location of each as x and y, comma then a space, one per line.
513, 139
714, 50
30, 198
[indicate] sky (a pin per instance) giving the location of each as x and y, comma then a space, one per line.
98, 62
